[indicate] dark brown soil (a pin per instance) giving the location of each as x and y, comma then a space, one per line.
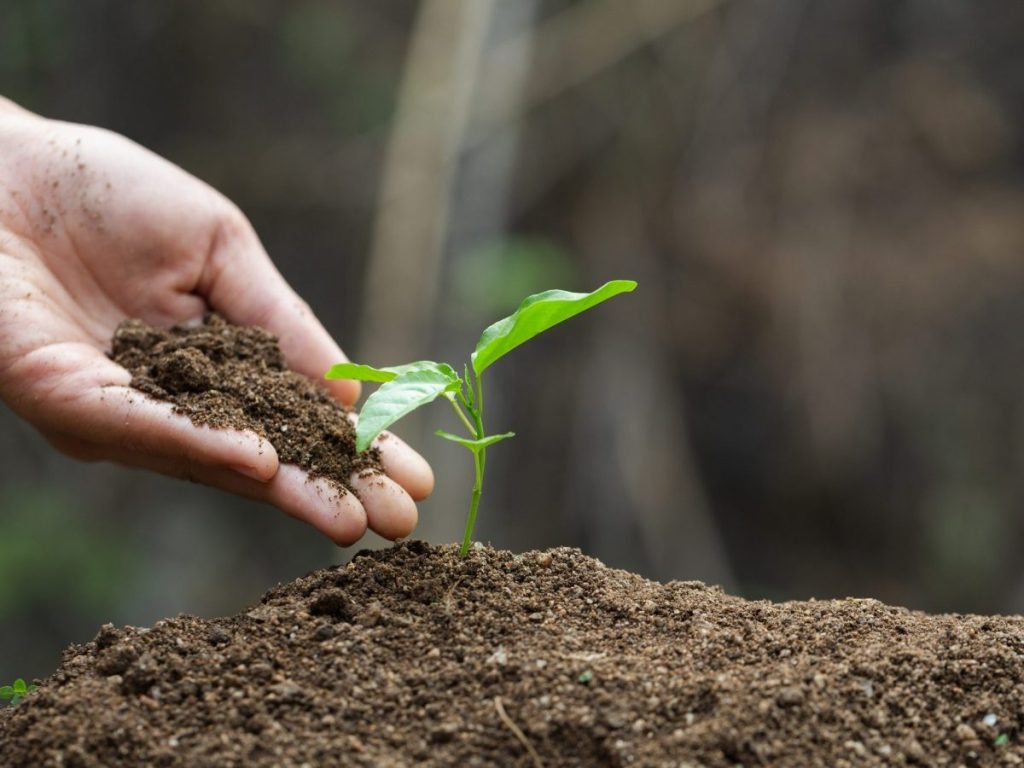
223, 375
411, 656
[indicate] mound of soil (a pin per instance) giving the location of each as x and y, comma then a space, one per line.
413, 656
224, 375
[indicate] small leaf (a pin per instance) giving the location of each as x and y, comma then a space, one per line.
402, 396
6, 692
585, 677
537, 314
1002, 740
358, 372
19, 686
472, 444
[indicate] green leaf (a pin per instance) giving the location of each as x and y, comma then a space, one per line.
359, 372
535, 315
6, 692
19, 686
1002, 740
402, 396
472, 444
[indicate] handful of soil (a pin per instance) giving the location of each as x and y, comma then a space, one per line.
228, 376
414, 656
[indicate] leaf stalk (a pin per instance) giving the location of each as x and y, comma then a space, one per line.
462, 416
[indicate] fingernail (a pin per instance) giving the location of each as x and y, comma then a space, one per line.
250, 472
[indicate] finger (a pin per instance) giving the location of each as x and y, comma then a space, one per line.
242, 284
332, 511
89, 411
390, 511
401, 463
142, 425
87, 398
405, 466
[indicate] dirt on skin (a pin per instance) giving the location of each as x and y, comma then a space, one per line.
413, 656
223, 375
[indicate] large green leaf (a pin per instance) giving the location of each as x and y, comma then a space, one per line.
360, 372
401, 396
535, 315
472, 443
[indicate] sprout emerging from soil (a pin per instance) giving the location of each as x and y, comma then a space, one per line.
407, 387
16, 692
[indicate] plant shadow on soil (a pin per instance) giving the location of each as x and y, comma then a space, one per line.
415, 656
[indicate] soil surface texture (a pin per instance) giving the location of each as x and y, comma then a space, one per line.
412, 656
223, 375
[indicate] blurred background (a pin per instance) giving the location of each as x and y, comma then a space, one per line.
817, 390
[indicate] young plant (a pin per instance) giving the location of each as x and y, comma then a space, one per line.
407, 387
15, 693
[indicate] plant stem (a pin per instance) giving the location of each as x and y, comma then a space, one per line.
479, 464
474, 503
478, 414
462, 416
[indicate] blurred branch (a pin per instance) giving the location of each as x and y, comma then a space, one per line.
433, 104
572, 47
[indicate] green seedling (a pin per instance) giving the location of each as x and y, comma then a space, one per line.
408, 387
16, 692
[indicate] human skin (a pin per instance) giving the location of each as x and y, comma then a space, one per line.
95, 229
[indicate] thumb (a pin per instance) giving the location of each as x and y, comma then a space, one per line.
240, 282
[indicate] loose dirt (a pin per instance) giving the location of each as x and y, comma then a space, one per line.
413, 656
223, 375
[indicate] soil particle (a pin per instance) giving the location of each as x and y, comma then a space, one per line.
620, 672
226, 376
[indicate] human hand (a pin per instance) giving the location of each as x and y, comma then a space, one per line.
95, 229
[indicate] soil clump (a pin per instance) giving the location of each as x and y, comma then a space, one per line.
226, 376
414, 656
